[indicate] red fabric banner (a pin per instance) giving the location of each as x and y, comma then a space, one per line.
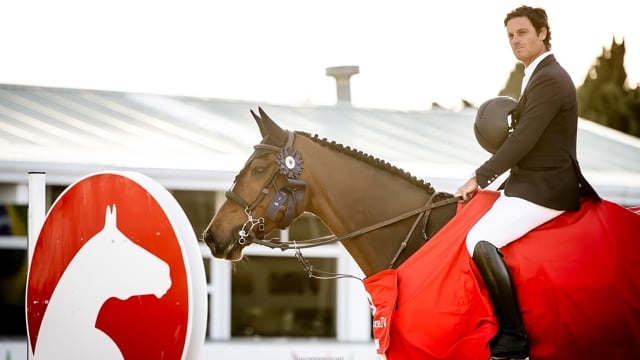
577, 279
384, 289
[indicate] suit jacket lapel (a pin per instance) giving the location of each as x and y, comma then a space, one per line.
546, 61
523, 97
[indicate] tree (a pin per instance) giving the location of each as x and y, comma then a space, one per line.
514, 82
605, 98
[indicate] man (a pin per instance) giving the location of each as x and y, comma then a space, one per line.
545, 178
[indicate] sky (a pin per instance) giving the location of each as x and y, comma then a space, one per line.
410, 53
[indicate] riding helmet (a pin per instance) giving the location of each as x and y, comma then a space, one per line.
493, 123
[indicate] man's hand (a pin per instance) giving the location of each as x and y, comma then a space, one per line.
468, 189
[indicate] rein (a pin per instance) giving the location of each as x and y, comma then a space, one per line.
308, 243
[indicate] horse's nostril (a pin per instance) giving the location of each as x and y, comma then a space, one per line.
209, 239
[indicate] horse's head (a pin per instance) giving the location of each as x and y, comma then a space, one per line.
121, 258
268, 193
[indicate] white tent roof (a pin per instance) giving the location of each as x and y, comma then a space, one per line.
194, 143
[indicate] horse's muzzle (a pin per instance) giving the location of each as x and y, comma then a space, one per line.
230, 250
209, 239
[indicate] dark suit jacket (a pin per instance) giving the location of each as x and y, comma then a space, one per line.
541, 151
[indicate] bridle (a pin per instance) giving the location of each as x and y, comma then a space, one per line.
287, 201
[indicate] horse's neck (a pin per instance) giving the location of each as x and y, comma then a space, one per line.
75, 304
355, 194
78, 295
353, 203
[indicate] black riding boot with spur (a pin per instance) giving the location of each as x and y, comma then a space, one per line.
511, 341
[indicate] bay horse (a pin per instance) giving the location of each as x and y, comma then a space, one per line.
577, 277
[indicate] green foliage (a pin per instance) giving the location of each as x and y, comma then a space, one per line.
514, 83
605, 97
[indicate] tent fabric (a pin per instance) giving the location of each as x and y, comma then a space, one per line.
577, 278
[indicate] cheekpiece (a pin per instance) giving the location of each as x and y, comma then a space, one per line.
290, 162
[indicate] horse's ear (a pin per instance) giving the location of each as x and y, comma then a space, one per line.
269, 128
110, 216
257, 118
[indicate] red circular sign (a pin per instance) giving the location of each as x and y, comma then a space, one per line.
110, 273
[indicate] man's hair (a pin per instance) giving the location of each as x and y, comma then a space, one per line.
538, 18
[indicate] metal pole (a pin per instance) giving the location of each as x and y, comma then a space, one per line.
36, 215
36, 208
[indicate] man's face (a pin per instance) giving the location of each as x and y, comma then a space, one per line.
526, 44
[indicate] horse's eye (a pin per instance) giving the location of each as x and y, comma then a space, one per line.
258, 170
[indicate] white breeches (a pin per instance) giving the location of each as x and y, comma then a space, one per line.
508, 219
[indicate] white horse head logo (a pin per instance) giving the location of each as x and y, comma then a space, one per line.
108, 265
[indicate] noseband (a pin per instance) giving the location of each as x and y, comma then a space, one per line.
287, 199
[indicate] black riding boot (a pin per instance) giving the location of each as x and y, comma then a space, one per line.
511, 341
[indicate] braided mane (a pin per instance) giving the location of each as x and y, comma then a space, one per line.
369, 159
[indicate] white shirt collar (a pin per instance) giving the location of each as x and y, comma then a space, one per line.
531, 68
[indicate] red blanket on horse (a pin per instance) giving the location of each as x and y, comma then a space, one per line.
577, 279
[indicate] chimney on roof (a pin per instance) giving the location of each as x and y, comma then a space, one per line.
343, 74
